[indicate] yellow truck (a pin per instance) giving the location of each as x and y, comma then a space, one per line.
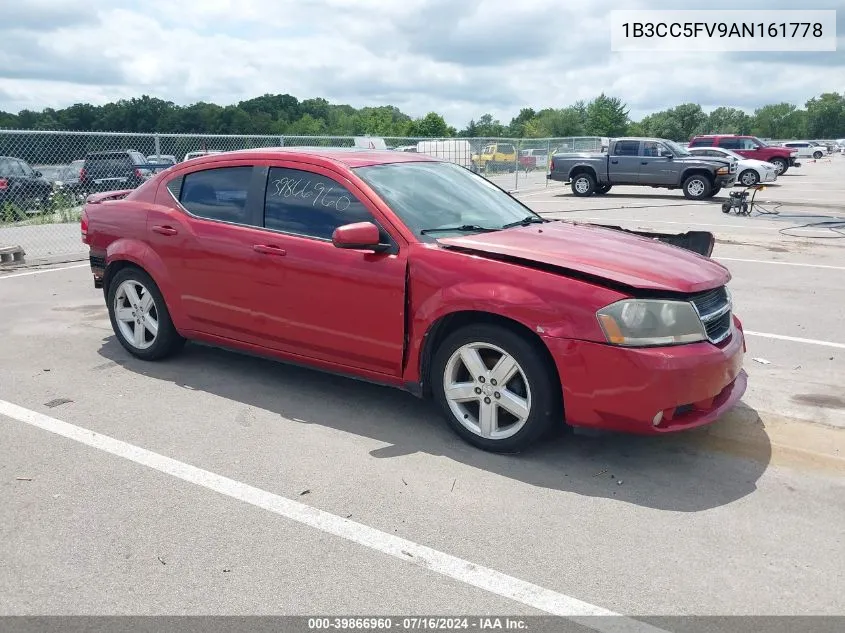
495, 157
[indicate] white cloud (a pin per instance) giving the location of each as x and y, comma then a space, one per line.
459, 58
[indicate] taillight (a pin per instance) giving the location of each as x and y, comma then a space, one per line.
82, 174
83, 224
138, 174
4, 184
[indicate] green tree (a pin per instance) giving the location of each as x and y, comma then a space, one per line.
826, 116
551, 123
517, 124
662, 125
691, 120
779, 120
490, 127
431, 125
606, 116
728, 121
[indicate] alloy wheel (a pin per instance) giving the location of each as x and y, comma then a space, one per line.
136, 314
487, 391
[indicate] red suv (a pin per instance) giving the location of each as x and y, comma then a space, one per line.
750, 147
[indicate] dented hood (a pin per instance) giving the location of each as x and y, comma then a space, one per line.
618, 257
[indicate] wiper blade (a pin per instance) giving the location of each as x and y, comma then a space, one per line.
464, 228
531, 219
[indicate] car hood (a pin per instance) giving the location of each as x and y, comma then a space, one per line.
618, 257
753, 162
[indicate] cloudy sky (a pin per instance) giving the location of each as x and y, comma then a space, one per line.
461, 58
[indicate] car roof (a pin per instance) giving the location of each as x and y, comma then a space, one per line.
349, 156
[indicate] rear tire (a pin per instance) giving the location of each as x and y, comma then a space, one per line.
494, 409
139, 316
583, 185
697, 187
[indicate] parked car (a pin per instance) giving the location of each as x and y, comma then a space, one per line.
22, 186
650, 162
69, 179
112, 170
750, 147
414, 272
806, 149
197, 154
531, 159
750, 172
162, 159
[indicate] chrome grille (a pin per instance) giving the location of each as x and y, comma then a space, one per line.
714, 310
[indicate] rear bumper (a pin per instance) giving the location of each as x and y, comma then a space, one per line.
627, 390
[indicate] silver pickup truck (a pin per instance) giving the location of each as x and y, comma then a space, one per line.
648, 162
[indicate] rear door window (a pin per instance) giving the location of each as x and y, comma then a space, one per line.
217, 194
731, 143
626, 148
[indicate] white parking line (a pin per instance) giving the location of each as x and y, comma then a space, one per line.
764, 261
795, 339
484, 578
41, 271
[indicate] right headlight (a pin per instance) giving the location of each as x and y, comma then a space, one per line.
645, 322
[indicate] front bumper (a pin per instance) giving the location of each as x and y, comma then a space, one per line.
725, 181
627, 389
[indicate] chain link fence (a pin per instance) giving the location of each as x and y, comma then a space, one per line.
44, 176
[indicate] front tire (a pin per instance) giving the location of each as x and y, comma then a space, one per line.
697, 187
139, 316
749, 178
817, 155
780, 164
583, 185
495, 388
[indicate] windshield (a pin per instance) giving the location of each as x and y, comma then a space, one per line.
676, 149
438, 195
723, 152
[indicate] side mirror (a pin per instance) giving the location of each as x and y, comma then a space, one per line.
38, 174
669, 156
361, 236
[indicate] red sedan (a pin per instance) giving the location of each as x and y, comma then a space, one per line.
413, 272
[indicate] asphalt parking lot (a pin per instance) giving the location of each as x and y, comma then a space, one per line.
216, 483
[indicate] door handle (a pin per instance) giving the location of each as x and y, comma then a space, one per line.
165, 230
645, 162
269, 249
615, 162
